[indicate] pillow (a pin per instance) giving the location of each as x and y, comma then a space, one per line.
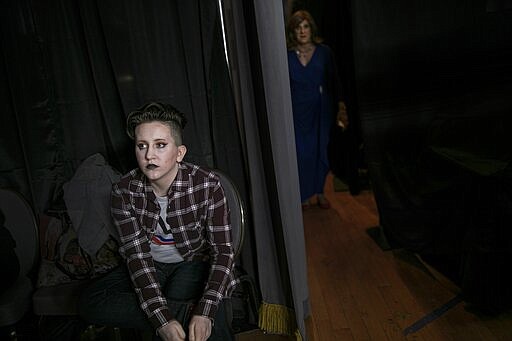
63, 260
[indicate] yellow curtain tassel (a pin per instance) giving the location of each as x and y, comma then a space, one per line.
297, 335
278, 319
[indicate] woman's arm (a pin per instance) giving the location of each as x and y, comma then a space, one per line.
136, 251
221, 252
342, 118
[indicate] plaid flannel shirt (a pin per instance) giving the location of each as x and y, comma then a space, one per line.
199, 219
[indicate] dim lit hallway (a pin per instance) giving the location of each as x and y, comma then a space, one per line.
358, 291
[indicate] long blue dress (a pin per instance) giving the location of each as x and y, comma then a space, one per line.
315, 92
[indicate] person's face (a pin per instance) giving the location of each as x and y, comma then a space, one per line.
303, 33
157, 153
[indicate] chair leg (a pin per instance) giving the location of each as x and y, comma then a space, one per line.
9, 333
117, 334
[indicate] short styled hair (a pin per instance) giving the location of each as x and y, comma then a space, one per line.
294, 22
158, 112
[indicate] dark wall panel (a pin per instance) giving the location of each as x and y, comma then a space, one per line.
433, 81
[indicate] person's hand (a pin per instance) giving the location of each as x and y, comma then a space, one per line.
172, 331
342, 117
199, 329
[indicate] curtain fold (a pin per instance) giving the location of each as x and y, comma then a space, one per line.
271, 34
73, 70
53, 96
260, 74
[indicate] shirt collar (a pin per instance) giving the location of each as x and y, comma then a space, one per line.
181, 182
140, 182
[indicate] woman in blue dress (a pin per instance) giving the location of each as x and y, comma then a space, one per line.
316, 103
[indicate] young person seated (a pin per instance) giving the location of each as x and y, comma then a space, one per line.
173, 222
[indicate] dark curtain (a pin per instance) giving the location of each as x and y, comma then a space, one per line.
434, 80
257, 48
72, 70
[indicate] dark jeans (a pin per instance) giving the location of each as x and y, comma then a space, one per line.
111, 300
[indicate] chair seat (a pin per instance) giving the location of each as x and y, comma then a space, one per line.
15, 301
60, 299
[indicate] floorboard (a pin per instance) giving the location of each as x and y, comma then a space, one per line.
360, 291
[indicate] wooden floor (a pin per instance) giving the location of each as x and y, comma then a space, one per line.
360, 292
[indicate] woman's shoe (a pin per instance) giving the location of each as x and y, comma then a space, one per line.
323, 202
305, 206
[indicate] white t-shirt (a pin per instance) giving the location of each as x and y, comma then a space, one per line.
163, 246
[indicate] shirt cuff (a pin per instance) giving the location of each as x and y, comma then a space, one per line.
206, 308
160, 318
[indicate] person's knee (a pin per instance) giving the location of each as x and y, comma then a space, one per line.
222, 327
188, 282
